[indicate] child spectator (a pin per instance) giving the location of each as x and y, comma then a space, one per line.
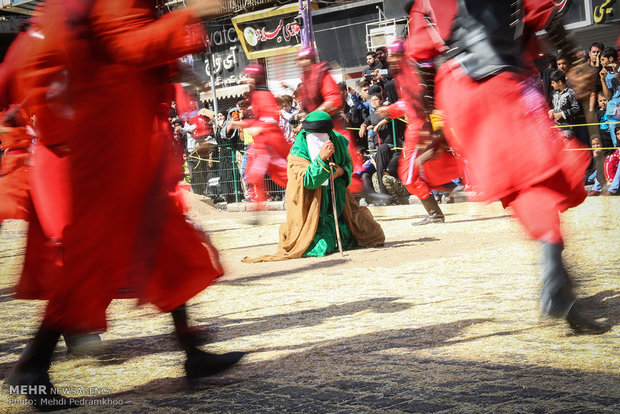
610, 84
378, 128
566, 109
287, 120
603, 128
598, 175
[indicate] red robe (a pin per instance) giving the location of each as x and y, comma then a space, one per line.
434, 173
270, 148
15, 200
23, 80
500, 127
318, 86
126, 231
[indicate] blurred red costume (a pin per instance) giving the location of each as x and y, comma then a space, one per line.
440, 170
43, 194
126, 234
530, 172
318, 87
270, 149
15, 200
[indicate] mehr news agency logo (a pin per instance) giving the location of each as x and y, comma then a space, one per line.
55, 395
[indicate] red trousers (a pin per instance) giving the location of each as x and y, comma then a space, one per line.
264, 160
500, 126
433, 174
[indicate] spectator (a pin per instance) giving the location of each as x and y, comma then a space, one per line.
566, 109
601, 118
201, 153
172, 114
563, 64
550, 65
287, 119
611, 88
234, 136
612, 173
358, 108
382, 55
229, 183
386, 164
589, 103
377, 128
598, 175
373, 64
594, 53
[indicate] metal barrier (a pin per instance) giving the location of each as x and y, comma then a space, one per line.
219, 176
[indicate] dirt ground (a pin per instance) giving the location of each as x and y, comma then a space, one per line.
442, 319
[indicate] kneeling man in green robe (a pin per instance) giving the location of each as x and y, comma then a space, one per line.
310, 228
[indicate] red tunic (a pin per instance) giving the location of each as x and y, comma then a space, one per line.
317, 87
15, 200
434, 173
126, 231
481, 115
270, 147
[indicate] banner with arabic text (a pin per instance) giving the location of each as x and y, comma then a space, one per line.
269, 32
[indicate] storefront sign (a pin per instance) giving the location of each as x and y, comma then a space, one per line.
605, 11
269, 32
226, 66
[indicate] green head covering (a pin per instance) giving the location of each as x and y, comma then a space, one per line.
318, 121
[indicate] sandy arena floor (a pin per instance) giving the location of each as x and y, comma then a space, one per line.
442, 319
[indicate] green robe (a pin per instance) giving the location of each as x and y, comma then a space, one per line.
325, 240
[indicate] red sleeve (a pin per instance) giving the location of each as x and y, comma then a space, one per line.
538, 13
331, 93
131, 33
397, 109
420, 44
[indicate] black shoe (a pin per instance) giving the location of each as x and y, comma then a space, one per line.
583, 325
84, 345
38, 390
430, 219
200, 364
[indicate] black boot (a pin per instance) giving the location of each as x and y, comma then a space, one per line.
435, 215
30, 378
557, 298
199, 364
84, 345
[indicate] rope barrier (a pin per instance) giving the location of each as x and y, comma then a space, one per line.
593, 123
590, 149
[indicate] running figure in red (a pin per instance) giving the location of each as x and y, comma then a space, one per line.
270, 148
497, 120
426, 162
126, 234
320, 92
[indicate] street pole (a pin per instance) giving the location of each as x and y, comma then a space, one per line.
307, 33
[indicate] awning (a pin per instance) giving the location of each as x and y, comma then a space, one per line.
226, 92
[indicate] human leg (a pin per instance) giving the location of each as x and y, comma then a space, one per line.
31, 372
199, 364
537, 209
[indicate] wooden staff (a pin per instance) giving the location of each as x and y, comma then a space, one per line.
331, 182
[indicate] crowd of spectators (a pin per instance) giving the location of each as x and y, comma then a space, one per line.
216, 154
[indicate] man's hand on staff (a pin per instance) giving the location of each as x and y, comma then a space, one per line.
327, 150
338, 171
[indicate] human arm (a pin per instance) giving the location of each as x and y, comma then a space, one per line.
332, 98
131, 34
363, 129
